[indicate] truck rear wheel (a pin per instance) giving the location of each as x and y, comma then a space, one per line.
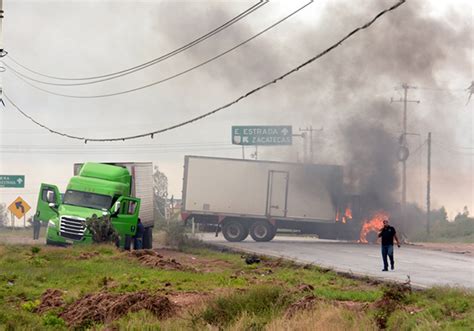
262, 231
234, 231
148, 238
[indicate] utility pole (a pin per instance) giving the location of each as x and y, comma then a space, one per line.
2, 51
403, 140
302, 135
428, 187
311, 150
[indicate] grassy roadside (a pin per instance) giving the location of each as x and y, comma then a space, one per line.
207, 289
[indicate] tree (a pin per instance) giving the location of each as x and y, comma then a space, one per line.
160, 192
462, 217
439, 215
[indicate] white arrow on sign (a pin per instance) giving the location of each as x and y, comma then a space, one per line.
19, 180
284, 131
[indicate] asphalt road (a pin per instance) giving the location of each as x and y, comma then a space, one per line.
425, 267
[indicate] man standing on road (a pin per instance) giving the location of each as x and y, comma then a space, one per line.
387, 233
36, 227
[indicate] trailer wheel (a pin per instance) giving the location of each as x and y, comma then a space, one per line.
234, 231
262, 231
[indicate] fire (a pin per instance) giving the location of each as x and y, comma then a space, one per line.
373, 224
346, 217
348, 213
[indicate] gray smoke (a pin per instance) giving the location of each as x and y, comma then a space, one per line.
407, 45
370, 152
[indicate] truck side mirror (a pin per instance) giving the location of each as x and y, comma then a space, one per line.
117, 207
50, 197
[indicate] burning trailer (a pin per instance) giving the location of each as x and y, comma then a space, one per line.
258, 198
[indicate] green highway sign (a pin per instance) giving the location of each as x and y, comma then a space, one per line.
262, 135
12, 181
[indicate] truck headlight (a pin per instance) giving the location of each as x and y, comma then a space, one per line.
51, 224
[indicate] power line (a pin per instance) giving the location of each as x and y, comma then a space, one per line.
124, 72
39, 146
418, 149
449, 149
439, 89
249, 93
169, 77
136, 151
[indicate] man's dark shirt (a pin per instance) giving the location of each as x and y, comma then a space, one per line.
387, 235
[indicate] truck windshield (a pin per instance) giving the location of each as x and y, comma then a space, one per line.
87, 199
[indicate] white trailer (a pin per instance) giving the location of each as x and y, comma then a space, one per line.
142, 188
258, 197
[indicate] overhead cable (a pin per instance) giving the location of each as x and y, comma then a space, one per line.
169, 77
244, 96
124, 72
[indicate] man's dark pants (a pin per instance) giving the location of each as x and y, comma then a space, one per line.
387, 250
36, 229
138, 243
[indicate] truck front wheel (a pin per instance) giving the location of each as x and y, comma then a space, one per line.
234, 231
262, 231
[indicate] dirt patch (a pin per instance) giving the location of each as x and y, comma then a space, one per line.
185, 300
394, 296
153, 259
174, 260
50, 299
352, 305
274, 264
306, 303
106, 307
87, 255
305, 288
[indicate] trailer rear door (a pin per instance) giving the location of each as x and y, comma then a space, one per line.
277, 193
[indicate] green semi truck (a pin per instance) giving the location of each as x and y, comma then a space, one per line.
124, 191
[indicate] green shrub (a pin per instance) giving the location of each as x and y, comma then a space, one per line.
53, 321
101, 229
262, 302
30, 306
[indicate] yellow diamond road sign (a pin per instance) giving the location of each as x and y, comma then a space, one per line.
19, 207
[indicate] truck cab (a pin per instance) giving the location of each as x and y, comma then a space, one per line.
100, 189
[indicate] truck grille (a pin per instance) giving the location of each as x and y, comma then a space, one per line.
72, 228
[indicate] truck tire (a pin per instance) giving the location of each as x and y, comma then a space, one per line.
148, 238
262, 231
234, 231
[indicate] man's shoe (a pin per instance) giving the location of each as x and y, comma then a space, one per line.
384, 269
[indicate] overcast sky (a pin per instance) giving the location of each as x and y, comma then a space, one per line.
428, 44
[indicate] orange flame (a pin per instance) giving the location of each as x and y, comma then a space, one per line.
348, 213
373, 224
346, 217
